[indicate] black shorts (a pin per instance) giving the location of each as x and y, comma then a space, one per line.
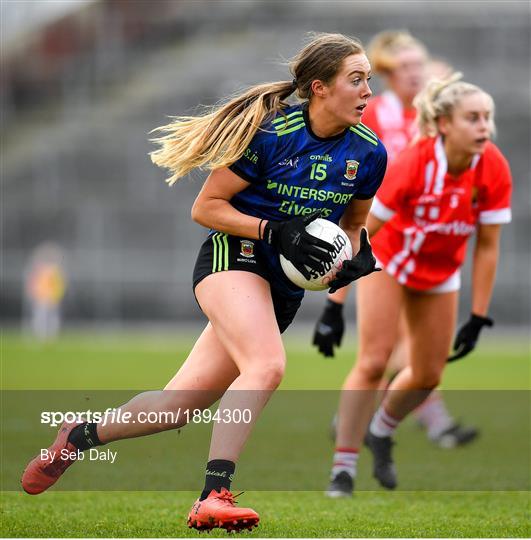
221, 252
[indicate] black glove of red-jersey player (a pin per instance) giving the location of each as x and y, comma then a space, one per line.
329, 329
468, 335
297, 245
362, 264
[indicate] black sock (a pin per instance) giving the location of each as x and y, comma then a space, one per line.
84, 436
219, 474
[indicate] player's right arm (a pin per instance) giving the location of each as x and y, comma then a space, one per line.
212, 206
212, 209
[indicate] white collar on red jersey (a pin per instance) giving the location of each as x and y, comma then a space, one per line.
390, 111
435, 171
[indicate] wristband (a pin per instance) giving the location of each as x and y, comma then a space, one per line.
260, 237
271, 231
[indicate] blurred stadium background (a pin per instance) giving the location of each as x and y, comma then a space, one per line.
83, 82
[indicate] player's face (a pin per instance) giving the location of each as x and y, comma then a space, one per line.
346, 97
408, 77
470, 126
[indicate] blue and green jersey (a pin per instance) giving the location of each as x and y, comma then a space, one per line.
292, 172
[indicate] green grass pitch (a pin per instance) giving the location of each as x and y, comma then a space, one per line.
146, 361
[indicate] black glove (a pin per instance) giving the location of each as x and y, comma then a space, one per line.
468, 335
298, 246
329, 329
361, 265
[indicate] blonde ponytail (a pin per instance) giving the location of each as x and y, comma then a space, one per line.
439, 99
220, 137
217, 139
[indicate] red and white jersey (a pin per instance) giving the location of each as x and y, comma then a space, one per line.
394, 125
430, 214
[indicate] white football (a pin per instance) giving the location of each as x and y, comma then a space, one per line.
331, 233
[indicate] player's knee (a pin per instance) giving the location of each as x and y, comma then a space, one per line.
426, 378
372, 367
273, 373
267, 374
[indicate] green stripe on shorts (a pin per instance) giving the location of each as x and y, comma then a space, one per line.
226, 253
220, 258
215, 252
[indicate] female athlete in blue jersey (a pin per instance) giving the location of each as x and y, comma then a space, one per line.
274, 168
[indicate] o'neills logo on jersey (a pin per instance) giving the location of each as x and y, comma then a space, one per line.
247, 248
352, 169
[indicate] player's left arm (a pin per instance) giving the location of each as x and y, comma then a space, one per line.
494, 206
354, 223
374, 224
363, 263
485, 261
354, 219
331, 325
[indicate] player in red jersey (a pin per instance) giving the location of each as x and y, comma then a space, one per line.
451, 183
402, 62
404, 66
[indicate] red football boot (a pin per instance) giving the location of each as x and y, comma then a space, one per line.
219, 510
41, 473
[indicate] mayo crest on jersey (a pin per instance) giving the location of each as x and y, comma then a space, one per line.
293, 172
430, 214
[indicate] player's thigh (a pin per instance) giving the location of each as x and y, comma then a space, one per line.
378, 304
207, 367
431, 320
206, 373
240, 308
